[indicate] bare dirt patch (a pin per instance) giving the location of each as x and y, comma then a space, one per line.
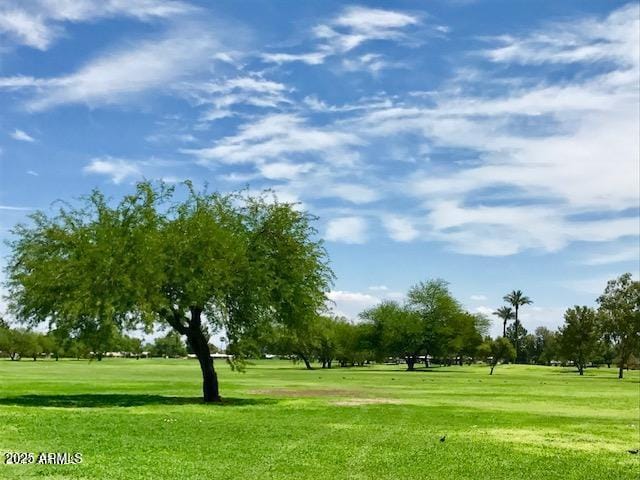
307, 392
354, 402
352, 398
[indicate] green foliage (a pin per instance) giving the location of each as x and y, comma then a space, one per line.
399, 333
506, 314
239, 263
431, 323
355, 343
517, 299
579, 336
500, 350
171, 345
547, 345
20, 343
516, 336
619, 308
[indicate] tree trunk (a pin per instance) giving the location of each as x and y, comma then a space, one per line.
200, 345
493, 365
624, 359
410, 363
516, 321
504, 328
307, 364
329, 364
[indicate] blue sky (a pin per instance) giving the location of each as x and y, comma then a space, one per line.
493, 144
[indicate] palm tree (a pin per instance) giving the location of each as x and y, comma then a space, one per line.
506, 314
517, 299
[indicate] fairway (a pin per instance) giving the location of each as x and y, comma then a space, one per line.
144, 419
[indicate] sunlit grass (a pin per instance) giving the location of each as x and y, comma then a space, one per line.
143, 419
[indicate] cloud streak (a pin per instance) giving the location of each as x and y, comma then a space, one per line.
354, 26
118, 75
22, 136
38, 23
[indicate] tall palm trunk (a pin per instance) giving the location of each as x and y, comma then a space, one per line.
516, 332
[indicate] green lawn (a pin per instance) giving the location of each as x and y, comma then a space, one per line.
143, 420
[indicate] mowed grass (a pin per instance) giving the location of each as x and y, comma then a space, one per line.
143, 420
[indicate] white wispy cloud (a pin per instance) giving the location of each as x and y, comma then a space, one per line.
478, 298
219, 98
347, 230
616, 38
38, 23
22, 136
313, 58
400, 229
283, 170
119, 74
378, 288
358, 194
15, 208
542, 149
275, 136
353, 27
621, 254
576, 162
350, 304
356, 25
592, 285
117, 169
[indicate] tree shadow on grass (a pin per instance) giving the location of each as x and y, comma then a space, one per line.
123, 400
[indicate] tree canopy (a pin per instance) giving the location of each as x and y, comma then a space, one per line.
230, 261
579, 336
620, 315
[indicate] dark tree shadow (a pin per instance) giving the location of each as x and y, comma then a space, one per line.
122, 400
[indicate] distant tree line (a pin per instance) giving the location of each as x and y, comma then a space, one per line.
19, 343
432, 326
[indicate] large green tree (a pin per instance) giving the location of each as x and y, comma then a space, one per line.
500, 350
620, 315
517, 299
399, 332
439, 315
579, 336
205, 263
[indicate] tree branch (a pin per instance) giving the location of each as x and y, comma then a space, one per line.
175, 320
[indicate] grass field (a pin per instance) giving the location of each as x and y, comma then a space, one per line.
143, 420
